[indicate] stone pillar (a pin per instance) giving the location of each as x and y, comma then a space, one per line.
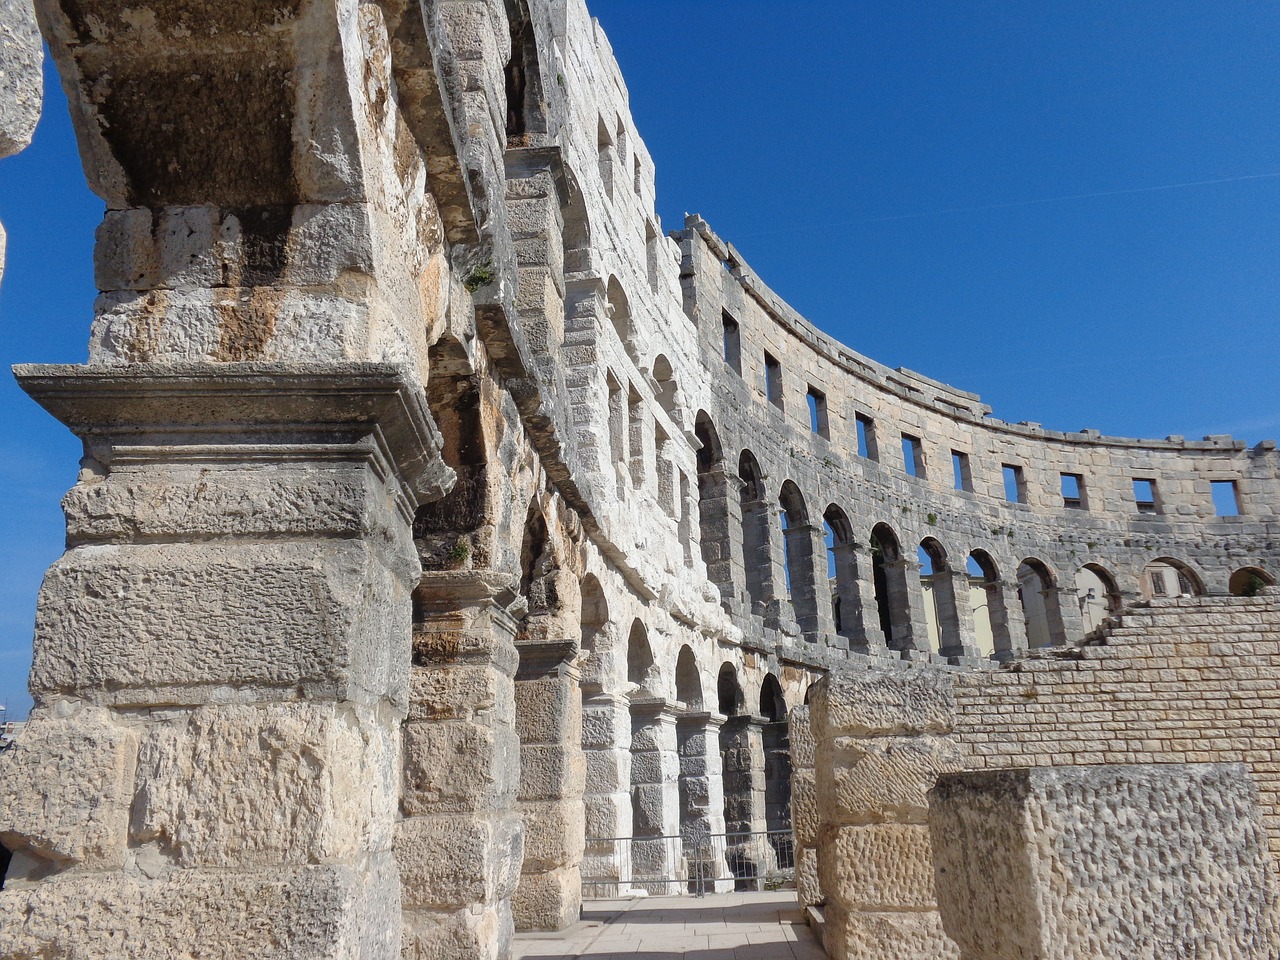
219, 686
1094, 863
460, 842
720, 521
1008, 626
1068, 626
779, 612
955, 613
757, 556
882, 739
606, 747
858, 611
552, 775
656, 853
804, 808
776, 745
810, 588
702, 800
742, 747
906, 602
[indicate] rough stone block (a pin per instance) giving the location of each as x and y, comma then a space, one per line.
808, 889
546, 711
871, 703
882, 779
66, 786
549, 773
886, 936
166, 623
455, 766
1087, 863
215, 785
328, 912
548, 901
451, 861
553, 834
878, 867
457, 691
800, 734
482, 933
804, 808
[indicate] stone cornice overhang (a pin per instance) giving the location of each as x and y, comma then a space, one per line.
276, 405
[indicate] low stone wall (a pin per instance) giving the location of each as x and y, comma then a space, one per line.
1181, 681
1100, 862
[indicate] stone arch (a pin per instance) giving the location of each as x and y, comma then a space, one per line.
595, 621
842, 571
714, 507
991, 631
1166, 577
538, 565
757, 559
607, 156
453, 532
642, 670
668, 391
619, 310
942, 615
798, 558
1097, 595
526, 113
688, 679
730, 699
893, 604
777, 765
1249, 581
1038, 592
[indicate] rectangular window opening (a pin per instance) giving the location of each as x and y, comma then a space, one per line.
960, 466
866, 437
1015, 484
818, 412
1073, 491
1158, 588
1226, 498
773, 380
732, 343
913, 455
1144, 495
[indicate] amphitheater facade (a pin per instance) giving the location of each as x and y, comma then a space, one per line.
450, 536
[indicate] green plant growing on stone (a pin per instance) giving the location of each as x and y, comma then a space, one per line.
480, 276
459, 553
932, 519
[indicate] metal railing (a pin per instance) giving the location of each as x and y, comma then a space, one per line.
698, 865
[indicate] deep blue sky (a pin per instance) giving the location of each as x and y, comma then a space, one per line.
890, 168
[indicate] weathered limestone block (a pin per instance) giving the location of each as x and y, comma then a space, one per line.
478, 935
863, 704
463, 859
886, 936
461, 692
549, 772
322, 912
884, 779
216, 784
1087, 863
800, 736
548, 900
21, 55
553, 834
808, 889
91, 755
804, 808
877, 867
459, 766
165, 623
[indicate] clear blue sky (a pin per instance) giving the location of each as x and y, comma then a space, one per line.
892, 169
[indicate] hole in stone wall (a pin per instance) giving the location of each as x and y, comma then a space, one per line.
6, 857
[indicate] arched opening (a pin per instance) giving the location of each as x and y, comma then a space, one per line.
667, 392
642, 672
713, 507
595, 617
1249, 581
797, 559
729, 697
1165, 577
607, 157
777, 771
606, 748
619, 308
941, 614
523, 84
986, 599
538, 566
889, 575
688, 680
1097, 595
842, 572
756, 558
1038, 593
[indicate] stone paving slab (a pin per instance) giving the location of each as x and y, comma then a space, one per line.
727, 926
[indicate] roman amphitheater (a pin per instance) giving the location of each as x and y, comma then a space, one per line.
454, 540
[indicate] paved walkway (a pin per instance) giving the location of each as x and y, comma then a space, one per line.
724, 926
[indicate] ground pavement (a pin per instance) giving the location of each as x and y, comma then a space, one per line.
725, 926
